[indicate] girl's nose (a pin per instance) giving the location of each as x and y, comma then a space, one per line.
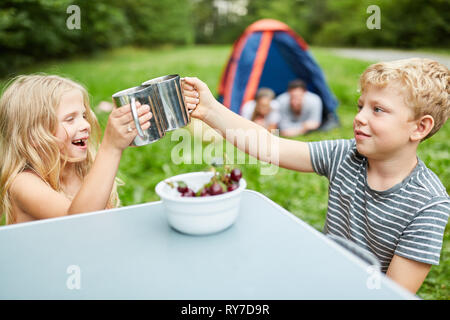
85, 126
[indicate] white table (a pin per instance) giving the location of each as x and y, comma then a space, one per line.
132, 253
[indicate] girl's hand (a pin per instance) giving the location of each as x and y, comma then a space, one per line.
198, 97
121, 130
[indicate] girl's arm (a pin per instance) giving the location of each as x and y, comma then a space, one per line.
37, 199
98, 183
286, 153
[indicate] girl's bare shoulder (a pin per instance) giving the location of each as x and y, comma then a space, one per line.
35, 197
26, 179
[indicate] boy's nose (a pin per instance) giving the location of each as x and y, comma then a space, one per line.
361, 117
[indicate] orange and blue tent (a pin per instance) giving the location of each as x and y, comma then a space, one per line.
270, 54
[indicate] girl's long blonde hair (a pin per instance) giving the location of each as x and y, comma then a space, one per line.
28, 124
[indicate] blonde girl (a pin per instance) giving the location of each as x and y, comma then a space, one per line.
51, 160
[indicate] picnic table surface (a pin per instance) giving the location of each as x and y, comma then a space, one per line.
133, 253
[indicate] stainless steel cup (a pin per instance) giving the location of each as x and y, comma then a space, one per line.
145, 95
170, 93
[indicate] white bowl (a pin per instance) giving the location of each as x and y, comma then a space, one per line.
199, 215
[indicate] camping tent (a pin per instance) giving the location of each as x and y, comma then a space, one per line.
270, 54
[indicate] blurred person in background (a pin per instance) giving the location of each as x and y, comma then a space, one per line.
263, 110
299, 110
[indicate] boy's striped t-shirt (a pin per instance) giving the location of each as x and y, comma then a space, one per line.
408, 219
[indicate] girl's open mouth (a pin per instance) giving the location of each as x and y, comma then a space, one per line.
80, 143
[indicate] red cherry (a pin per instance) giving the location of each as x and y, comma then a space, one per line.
203, 193
215, 189
182, 187
232, 187
236, 175
188, 193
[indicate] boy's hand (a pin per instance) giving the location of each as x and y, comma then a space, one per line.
117, 133
198, 97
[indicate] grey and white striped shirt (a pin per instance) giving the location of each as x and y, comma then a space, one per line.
408, 219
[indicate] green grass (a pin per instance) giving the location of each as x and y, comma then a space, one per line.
305, 195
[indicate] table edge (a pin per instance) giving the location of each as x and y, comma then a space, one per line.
78, 215
399, 290
390, 283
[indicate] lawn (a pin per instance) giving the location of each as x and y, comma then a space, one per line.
305, 195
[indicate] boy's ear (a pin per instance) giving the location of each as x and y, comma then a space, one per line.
423, 128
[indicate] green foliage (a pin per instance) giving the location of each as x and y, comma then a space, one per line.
33, 30
213, 27
404, 23
158, 22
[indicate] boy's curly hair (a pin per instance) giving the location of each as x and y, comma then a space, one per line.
425, 83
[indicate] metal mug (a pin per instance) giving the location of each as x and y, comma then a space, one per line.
173, 106
145, 95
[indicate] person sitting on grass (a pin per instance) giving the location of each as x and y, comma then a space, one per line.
49, 164
300, 110
262, 110
381, 195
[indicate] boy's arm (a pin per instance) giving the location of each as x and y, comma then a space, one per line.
420, 244
286, 153
408, 273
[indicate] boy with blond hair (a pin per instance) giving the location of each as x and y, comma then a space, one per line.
381, 195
